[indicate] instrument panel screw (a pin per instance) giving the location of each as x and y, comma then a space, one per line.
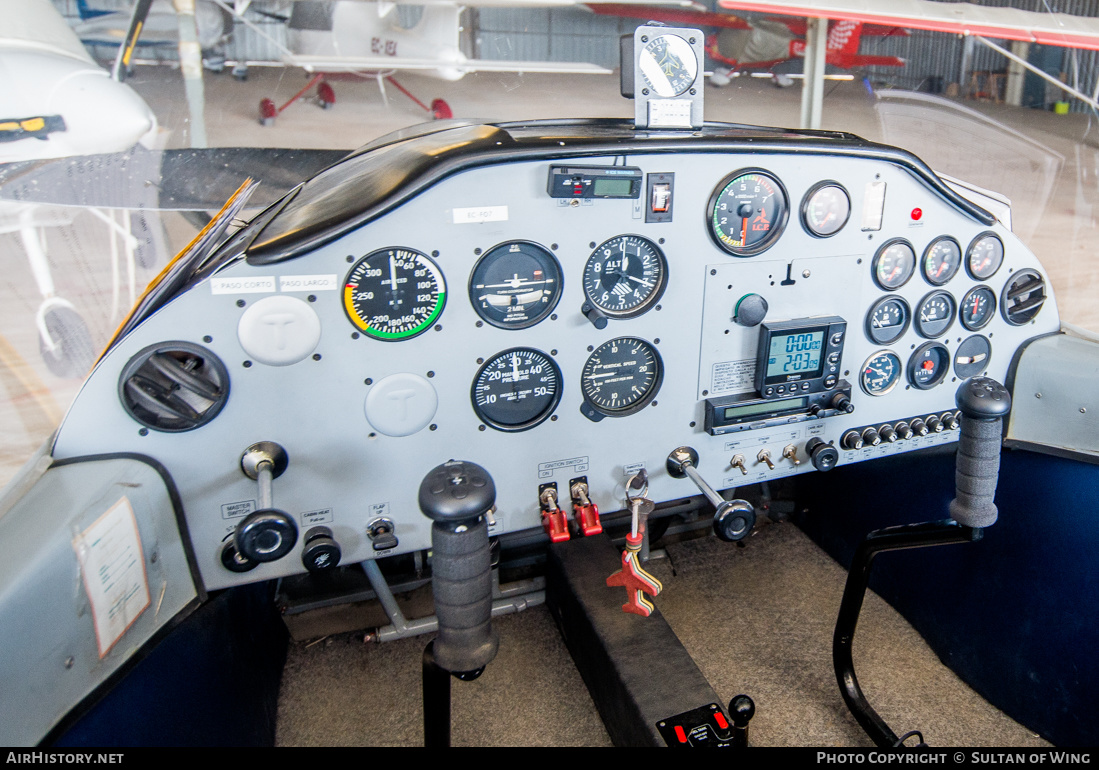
805, 273
1083, 410
70, 662
1037, 395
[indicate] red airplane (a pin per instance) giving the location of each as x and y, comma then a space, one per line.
738, 44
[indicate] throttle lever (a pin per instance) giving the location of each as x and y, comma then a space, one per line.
267, 533
984, 403
733, 519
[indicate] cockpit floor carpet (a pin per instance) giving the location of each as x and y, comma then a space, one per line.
757, 620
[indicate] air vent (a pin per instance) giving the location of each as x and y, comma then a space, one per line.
1023, 297
174, 386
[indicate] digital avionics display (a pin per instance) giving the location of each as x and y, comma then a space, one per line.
764, 407
613, 188
795, 353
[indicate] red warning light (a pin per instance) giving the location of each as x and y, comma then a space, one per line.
917, 214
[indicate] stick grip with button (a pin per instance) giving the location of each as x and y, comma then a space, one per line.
984, 403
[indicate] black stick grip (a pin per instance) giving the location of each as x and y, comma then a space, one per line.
462, 583
976, 473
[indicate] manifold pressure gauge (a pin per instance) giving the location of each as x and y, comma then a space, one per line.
516, 390
394, 294
620, 377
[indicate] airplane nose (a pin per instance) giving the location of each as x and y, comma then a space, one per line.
101, 114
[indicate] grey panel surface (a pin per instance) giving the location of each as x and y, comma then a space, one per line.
1055, 401
49, 659
342, 474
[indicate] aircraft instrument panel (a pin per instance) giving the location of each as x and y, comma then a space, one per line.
572, 308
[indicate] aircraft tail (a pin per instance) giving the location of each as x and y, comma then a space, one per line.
843, 42
88, 13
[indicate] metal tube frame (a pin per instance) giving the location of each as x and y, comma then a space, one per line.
945, 532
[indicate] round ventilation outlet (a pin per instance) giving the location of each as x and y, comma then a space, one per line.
1023, 297
174, 386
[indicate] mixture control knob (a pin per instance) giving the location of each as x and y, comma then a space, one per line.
840, 402
823, 456
750, 310
852, 439
320, 551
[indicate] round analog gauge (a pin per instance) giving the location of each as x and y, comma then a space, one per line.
621, 376
394, 294
894, 264
935, 314
941, 260
625, 276
971, 357
825, 209
880, 373
978, 307
984, 256
888, 320
668, 65
929, 365
747, 212
515, 285
516, 389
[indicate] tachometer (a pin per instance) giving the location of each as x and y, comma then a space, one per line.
625, 276
747, 212
394, 294
880, 373
894, 264
620, 377
515, 285
516, 390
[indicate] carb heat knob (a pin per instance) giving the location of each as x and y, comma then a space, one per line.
823, 456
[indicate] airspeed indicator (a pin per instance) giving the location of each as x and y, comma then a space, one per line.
394, 294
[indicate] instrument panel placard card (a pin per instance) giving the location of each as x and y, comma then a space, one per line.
733, 376
576, 464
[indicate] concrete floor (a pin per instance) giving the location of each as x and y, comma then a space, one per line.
1060, 219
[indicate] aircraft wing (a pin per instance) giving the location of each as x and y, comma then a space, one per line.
390, 63
1060, 29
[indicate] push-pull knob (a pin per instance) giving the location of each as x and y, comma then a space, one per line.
733, 519
267, 533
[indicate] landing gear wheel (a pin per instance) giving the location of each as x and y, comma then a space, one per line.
267, 112
440, 110
326, 96
73, 353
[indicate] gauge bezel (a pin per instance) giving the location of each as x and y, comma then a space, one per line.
969, 252
927, 252
363, 327
646, 304
534, 422
976, 372
544, 313
896, 379
644, 399
991, 313
918, 325
869, 326
918, 355
877, 258
804, 209
778, 228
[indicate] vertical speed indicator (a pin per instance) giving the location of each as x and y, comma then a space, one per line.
620, 377
394, 294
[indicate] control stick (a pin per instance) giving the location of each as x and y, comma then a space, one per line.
456, 496
983, 403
